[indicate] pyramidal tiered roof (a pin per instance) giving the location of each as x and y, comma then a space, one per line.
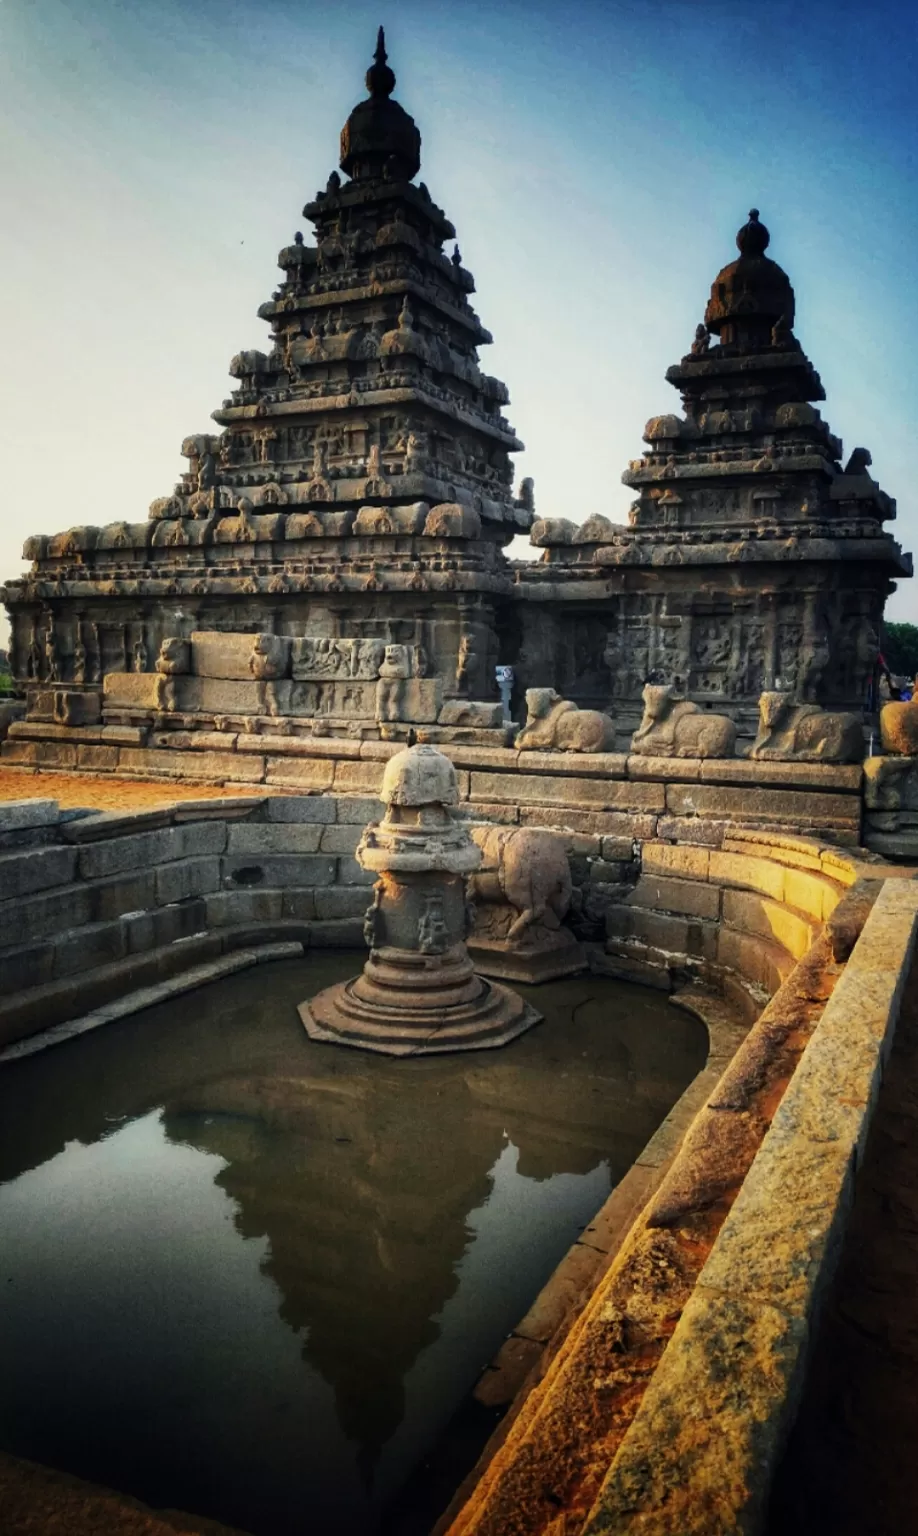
747, 391
372, 390
769, 560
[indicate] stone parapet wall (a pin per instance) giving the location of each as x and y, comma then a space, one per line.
93, 904
616, 793
739, 916
665, 1408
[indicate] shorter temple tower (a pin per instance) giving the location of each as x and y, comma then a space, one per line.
755, 556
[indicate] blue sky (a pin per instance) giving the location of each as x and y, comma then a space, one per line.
597, 160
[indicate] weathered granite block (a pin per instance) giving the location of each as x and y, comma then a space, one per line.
79, 949
96, 860
97, 759
37, 917
694, 898
28, 966
38, 754
358, 809
36, 869
276, 870
188, 877
120, 894
756, 959
757, 914
341, 901
787, 774
226, 908
16, 814
208, 767
130, 690
578, 793
788, 806
99, 826
308, 772
197, 838
306, 808
662, 859
341, 839
350, 873
219, 655
676, 936
358, 778
465, 712
163, 925
747, 872
605, 823
266, 838
415, 699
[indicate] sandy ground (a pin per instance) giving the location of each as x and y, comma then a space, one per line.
103, 792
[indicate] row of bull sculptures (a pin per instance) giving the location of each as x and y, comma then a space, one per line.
675, 727
788, 730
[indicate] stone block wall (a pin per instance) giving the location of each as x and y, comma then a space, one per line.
610, 793
738, 917
94, 905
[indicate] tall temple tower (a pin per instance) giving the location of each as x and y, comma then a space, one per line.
755, 557
361, 482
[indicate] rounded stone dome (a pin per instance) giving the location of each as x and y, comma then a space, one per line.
379, 134
751, 295
419, 776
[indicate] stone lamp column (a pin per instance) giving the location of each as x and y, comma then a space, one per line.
418, 993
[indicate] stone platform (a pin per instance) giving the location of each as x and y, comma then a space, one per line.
452, 1009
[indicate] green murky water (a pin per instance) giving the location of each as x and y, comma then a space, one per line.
251, 1276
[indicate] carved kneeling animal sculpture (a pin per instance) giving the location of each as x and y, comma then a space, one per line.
899, 728
791, 731
674, 727
525, 870
554, 724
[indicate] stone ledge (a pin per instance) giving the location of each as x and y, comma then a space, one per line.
146, 997
579, 1417
702, 1449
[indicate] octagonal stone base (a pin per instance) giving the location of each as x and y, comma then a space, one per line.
410, 1004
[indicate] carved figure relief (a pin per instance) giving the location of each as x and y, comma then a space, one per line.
433, 932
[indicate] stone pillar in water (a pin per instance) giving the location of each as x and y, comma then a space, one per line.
418, 992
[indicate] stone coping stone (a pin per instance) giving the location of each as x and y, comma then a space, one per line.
703, 1447
21, 814
683, 770
790, 775
104, 824
147, 997
777, 805
590, 793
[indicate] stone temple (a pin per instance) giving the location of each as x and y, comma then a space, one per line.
647, 754
348, 522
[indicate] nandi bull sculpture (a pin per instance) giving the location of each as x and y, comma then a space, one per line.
520, 897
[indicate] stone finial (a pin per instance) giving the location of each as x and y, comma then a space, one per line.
380, 78
753, 239
379, 139
419, 776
